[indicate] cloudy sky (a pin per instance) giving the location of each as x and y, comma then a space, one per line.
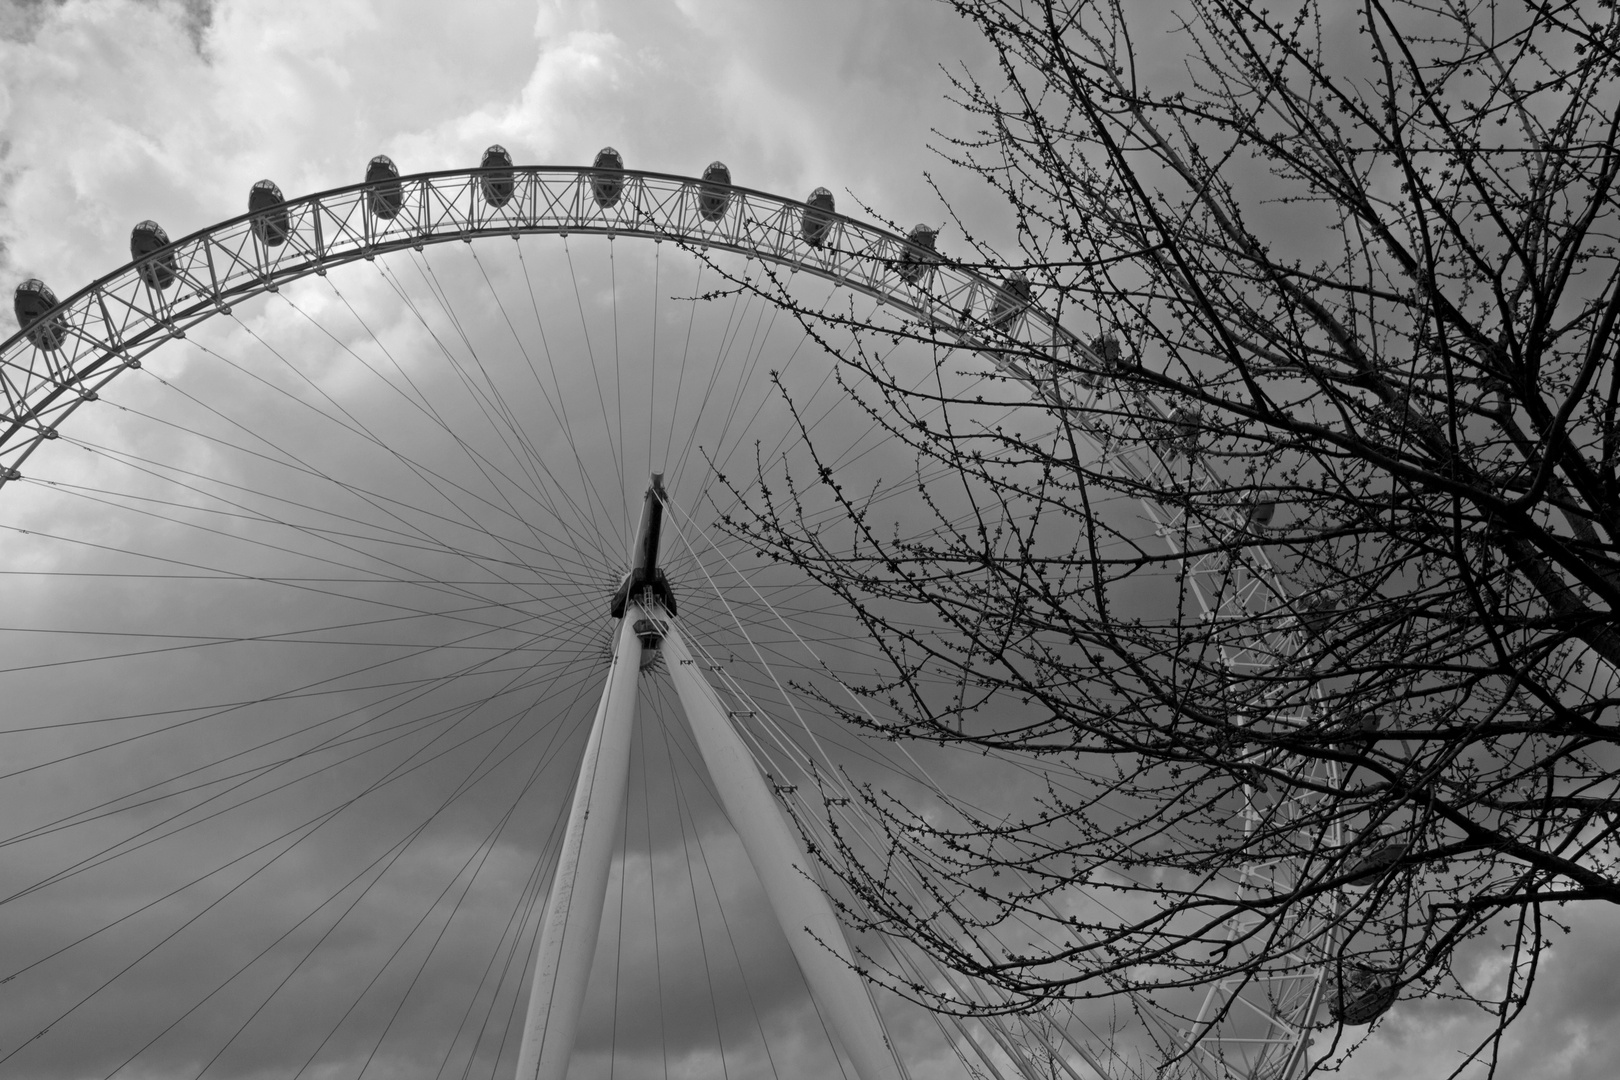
113, 111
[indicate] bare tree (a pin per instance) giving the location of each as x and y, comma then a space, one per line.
1345, 287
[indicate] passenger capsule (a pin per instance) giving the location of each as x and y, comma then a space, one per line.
158, 271
270, 221
1012, 298
817, 219
1379, 853
1359, 994
917, 255
1260, 513
714, 193
1104, 357
386, 195
1316, 613
1359, 735
497, 183
1185, 425
607, 180
31, 301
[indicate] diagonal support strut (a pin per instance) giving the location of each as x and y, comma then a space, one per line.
645, 607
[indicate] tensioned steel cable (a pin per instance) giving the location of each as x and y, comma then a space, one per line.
729, 335
480, 628
119, 849
370, 498
300, 832
618, 937
356, 1003
516, 921
538, 462
652, 371
606, 551
490, 410
420, 400
625, 494
682, 811
486, 848
714, 890
873, 842
530, 460
473, 665
339, 739
596, 376
392, 855
547, 756
749, 350
652, 888
680, 376
560, 414
354, 425
303, 753
489, 396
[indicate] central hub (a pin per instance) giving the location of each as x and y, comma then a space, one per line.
645, 583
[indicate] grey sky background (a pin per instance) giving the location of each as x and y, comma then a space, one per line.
112, 111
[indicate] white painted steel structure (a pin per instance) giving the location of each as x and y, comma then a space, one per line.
801, 907
573, 913
108, 326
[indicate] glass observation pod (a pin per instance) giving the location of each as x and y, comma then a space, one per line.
30, 302
270, 222
607, 180
387, 194
497, 184
817, 220
918, 254
1013, 297
145, 241
714, 193
1360, 993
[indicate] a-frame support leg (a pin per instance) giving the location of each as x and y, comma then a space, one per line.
802, 909
573, 918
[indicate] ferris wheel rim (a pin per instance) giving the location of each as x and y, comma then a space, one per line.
132, 329
869, 267
400, 258
999, 320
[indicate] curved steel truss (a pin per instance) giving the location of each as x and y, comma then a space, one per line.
64, 358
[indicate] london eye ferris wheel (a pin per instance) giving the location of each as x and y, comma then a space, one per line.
381, 650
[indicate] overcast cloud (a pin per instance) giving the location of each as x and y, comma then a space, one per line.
112, 111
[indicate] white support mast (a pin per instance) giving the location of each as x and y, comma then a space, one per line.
645, 608
573, 918
574, 909
802, 909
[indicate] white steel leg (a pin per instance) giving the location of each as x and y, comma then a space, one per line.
574, 909
767, 836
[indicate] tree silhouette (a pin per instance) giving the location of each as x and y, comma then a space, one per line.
1344, 290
